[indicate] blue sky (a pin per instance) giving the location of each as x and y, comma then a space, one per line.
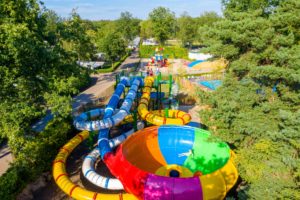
111, 9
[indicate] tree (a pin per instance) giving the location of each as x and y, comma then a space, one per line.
146, 29
128, 26
257, 108
163, 23
114, 46
36, 73
206, 19
187, 29
76, 39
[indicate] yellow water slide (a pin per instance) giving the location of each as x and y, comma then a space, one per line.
63, 181
158, 117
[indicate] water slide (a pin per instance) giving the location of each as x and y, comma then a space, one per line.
110, 118
88, 168
103, 142
63, 181
174, 162
175, 117
81, 122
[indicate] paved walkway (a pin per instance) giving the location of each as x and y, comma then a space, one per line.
6, 158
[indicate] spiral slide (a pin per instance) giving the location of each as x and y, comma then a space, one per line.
175, 117
174, 162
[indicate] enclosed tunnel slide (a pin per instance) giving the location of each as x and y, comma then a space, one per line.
103, 143
175, 117
110, 118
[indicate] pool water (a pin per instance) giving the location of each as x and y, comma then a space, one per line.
213, 84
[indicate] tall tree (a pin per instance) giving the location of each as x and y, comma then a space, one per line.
146, 29
257, 108
206, 19
163, 23
187, 29
33, 66
76, 39
114, 46
128, 26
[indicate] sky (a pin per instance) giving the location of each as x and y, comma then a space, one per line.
111, 9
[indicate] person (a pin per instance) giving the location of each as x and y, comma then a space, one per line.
148, 72
151, 72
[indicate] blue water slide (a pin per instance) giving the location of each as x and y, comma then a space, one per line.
103, 142
81, 122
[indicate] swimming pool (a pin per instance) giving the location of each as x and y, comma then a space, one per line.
213, 84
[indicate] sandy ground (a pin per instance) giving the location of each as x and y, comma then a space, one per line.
179, 66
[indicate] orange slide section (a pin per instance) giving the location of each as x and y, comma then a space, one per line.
175, 117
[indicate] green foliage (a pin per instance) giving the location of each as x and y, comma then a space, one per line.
170, 51
163, 23
128, 26
14, 180
257, 108
114, 47
34, 157
187, 29
114, 66
75, 37
37, 73
146, 29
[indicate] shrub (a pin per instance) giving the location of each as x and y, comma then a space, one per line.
36, 157
109, 68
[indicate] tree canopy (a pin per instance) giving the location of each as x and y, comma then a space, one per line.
37, 72
128, 26
163, 23
257, 108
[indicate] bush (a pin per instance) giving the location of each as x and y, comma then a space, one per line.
14, 180
108, 68
169, 51
36, 157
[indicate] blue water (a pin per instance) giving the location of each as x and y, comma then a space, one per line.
213, 84
192, 64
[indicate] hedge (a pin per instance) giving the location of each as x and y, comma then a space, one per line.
108, 68
169, 51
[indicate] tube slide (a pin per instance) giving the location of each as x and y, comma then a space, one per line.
108, 121
63, 181
175, 117
89, 163
103, 143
